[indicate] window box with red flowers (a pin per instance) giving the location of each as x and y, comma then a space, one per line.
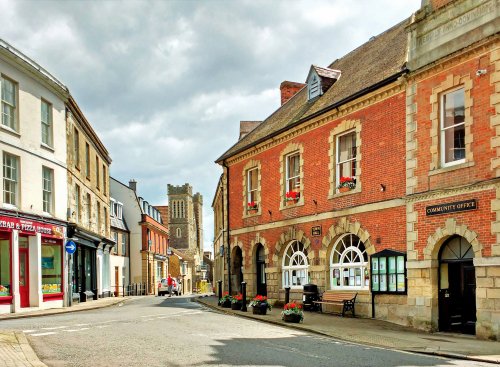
346, 184
225, 301
252, 207
291, 197
236, 302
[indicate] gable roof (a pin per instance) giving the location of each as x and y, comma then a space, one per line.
375, 63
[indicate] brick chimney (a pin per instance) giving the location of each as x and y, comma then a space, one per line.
435, 4
289, 89
132, 184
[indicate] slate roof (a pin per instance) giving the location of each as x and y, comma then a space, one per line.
380, 59
119, 223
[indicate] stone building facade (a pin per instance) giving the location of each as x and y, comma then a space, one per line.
379, 177
88, 206
186, 228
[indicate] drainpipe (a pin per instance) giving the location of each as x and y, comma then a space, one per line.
226, 214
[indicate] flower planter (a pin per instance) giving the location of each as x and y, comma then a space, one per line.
226, 304
260, 310
344, 189
292, 318
291, 202
236, 306
252, 211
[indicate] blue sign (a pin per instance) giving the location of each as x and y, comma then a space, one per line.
70, 247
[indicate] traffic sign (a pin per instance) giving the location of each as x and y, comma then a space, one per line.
70, 247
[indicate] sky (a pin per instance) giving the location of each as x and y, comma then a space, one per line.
166, 83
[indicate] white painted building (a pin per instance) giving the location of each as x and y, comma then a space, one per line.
33, 263
119, 276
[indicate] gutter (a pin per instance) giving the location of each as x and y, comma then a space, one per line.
226, 215
352, 97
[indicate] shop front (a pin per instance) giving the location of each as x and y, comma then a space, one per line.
32, 265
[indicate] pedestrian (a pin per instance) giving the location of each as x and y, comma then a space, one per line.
179, 286
170, 282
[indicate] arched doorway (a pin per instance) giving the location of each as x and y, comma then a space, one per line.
457, 286
237, 269
260, 262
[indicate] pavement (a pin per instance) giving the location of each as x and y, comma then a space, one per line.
16, 351
379, 333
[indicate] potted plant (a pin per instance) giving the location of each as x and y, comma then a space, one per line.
292, 197
346, 184
292, 312
260, 305
252, 206
236, 302
225, 301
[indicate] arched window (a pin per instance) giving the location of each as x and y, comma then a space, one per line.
348, 264
178, 232
295, 265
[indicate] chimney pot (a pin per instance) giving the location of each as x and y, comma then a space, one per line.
133, 184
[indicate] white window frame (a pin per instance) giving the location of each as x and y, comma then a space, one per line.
11, 180
298, 255
46, 124
124, 244
9, 106
288, 178
252, 191
338, 163
47, 190
443, 129
343, 265
112, 203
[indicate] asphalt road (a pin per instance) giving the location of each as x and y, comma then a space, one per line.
160, 331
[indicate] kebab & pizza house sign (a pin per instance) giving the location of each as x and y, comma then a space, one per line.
28, 227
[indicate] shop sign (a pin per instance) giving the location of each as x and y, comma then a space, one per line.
30, 227
458, 206
316, 231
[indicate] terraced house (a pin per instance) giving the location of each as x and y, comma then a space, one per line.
379, 177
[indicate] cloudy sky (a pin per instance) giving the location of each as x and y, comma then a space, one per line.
165, 83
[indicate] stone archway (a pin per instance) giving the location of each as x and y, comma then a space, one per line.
256, 274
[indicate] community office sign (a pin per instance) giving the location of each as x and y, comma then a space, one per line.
458, 206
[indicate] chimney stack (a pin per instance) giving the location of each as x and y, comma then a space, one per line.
133, 184
289, 89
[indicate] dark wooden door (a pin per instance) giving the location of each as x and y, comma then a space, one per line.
261, 271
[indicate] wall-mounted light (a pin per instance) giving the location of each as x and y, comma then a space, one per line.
481, 72
382, 187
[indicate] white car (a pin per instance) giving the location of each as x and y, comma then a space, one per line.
163, 287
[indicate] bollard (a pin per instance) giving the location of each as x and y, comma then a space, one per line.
219, 284
287, 295
244, 296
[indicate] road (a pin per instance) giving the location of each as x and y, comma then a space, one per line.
162, 331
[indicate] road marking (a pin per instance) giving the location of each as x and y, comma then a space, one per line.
81, 324
73, 330
42, 334
28, 331
54, 327
102, 326
150, 315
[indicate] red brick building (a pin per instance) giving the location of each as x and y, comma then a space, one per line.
392, 148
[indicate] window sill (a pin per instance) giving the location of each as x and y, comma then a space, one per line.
5, 300
47, 147
253, 214
340, 194
9, 206
451, 168
52, 296
10, 131
284, 205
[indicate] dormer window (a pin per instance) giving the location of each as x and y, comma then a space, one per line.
320, 80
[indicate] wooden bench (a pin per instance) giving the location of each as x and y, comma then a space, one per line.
345, 299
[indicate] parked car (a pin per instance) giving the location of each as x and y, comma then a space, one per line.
163, 287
